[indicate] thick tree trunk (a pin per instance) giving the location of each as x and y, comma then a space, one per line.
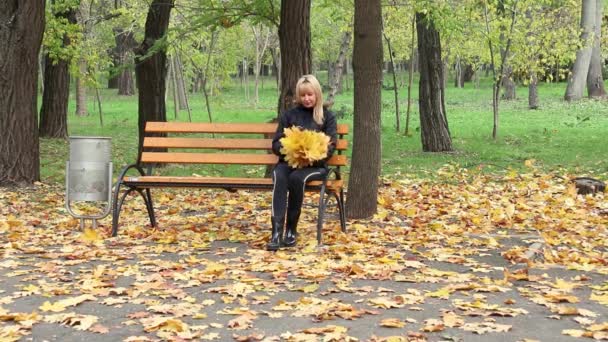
53, 113
367, 65
22, 25
294, 40
54, 110
578, 78
433, 122
335, 78
151, 72
595, 80
81, 90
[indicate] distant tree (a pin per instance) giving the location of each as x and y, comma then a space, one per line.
20, 37
433, 121
60, 32
580, 69
151, 66
367, 69
123, 80
294, 41
595, 80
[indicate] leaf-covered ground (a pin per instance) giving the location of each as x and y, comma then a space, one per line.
514, 257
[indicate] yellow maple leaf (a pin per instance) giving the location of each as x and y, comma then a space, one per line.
602, 299
54, 307
443, 293
303, 147
392, 323
91, 236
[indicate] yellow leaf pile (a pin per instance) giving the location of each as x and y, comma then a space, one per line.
303, 147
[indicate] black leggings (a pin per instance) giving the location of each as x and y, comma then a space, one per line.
286, 179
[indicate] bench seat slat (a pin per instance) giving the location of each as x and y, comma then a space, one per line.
202, 127
164, 181
222, 158
217, 143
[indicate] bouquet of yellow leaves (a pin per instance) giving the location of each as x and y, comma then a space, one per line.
303, 147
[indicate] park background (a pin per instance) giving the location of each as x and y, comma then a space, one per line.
481, 237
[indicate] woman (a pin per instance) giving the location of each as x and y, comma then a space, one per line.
289, 183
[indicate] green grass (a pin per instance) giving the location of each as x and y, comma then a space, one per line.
558, 135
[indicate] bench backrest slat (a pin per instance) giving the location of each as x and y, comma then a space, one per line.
222, 158
218, 143
228, 128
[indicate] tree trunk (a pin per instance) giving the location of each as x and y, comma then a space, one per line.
276, 65
21, 29
54, 110
578, 78
508, 84
81, 90
395, 85
410, 77
262, 37
533, 92
595, 80
433, 122
182, 97
367, 67
294, 40
338, 67
125, 43
458, 74
151, 72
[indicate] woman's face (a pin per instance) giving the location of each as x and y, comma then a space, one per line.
308, 99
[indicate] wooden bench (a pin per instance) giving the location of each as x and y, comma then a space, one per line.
223, 148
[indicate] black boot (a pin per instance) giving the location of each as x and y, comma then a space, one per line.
291, 234
277, 233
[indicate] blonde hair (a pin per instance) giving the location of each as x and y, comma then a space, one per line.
311, 82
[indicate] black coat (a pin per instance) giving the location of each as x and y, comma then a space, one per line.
303, 118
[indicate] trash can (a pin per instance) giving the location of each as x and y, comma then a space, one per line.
89, 175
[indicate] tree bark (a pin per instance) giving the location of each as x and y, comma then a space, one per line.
393, 72
294, 41
125, 43
595, 80
533, 92
182, 96
433, 122
578, 78
458, 74
338, 67
81, 90
151, 72
21, 29
410, 77
508, 84
54, 110
367, 67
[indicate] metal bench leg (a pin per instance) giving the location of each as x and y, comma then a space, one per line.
117, 207
321, 214
149, 207
342, 210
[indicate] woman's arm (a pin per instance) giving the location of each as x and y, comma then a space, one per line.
331, 130
280, 133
